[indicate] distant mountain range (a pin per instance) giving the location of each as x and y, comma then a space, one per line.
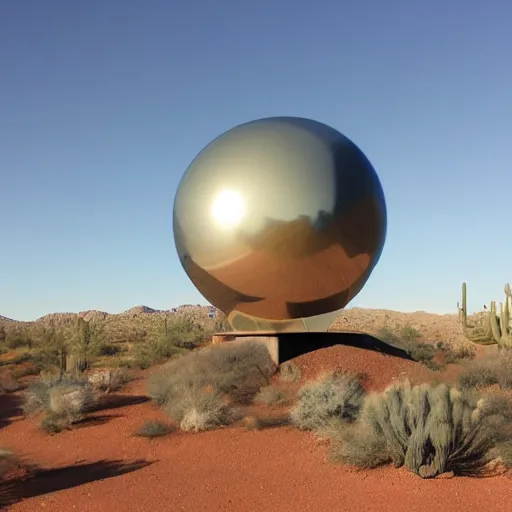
132, 312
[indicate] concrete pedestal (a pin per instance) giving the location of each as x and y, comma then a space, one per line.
285, 346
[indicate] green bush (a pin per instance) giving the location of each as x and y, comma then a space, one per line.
423, 353
333, 398
151, 352
388, 336
409, 334
428, 429
184, 333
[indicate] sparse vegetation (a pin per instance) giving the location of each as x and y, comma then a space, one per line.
332, 398
109, 380
428, 429
67, 342
154, 351
258, 422
198, 389
289, 372
409, 339
154, 428
493, 370
8, 384
62, 401
200, 409
270, 395
7, 462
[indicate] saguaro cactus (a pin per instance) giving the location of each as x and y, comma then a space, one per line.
76, 359
481, 333
165, 329
501, 327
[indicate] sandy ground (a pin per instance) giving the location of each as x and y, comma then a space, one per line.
102, 466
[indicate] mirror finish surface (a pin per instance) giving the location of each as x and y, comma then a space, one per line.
279, 223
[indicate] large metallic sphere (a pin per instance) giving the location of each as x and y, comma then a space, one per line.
279, 223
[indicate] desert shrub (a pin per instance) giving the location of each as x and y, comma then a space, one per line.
428, 429
289, 372
332, 398
388, 336
185, 333
481, 374
199, 409
109, 380
18, 338
15, 342
456, 352
26, 370
198, 388
422, 352
7, 461
237, 370
257, 422
105, 349
151, 352
488, 372
409, 334
9, 383
504, 452
62, 400
270, 395
154, 428
408, 339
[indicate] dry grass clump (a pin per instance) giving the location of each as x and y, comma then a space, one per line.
259, 422
201, 410
154, 428
270, 395
335, 397
428, 429
492, 370
8, 383
410, 339
289, 372
62, 401
109, 380
199, 389
456, 352
6, 461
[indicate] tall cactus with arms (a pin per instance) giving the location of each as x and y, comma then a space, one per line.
493, 328
481, 333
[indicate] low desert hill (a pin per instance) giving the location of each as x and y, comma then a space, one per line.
433, 327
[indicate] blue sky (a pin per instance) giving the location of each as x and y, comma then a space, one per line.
104, 104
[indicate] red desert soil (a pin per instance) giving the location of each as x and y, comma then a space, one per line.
232, 469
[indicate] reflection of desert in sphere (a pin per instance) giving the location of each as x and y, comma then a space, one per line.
279, 223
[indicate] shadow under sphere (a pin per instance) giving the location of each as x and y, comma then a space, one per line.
279, 223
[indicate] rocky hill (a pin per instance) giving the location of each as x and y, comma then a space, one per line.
433, 327
126, 326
